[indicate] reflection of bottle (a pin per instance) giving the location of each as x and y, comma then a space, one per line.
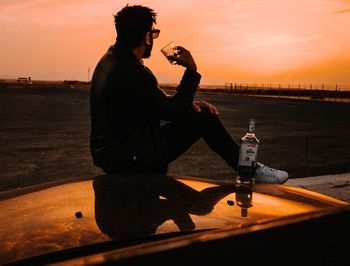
244, 196
248, 153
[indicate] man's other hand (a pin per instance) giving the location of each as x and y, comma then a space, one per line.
198, 105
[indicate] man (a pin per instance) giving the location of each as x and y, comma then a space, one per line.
127, 107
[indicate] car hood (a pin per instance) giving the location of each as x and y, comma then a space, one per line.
57, 216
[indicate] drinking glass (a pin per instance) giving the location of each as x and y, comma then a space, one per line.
170, 50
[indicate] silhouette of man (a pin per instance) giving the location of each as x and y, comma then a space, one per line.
131, 207
127, 107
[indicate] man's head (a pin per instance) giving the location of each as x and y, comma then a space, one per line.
134, 26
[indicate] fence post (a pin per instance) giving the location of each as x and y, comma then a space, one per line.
306, 151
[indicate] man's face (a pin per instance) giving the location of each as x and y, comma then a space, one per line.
149, 47
153, 34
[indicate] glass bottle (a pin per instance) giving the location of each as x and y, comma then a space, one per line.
248, 153
245, 179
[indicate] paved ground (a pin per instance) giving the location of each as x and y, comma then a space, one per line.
44, 136
336, 186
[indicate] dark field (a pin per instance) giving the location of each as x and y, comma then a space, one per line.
44, 136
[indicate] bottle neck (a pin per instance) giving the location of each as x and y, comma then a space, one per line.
251, 127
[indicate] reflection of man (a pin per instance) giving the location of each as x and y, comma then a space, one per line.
131, 207
127, 106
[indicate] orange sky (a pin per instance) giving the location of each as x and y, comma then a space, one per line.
232, 41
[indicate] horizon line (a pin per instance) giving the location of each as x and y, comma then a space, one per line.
224, 83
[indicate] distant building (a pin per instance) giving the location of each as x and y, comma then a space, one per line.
24, 80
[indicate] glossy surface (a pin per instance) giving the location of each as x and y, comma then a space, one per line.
58, 217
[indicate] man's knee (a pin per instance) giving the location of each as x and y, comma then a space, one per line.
206, 117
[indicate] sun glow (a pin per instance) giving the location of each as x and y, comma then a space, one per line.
232, 41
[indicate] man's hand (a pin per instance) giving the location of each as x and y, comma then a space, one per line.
198, 105
184, 58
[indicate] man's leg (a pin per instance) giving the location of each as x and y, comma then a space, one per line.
181, 134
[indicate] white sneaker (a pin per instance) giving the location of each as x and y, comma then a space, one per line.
265, 174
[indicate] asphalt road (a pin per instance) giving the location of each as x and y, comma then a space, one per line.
44, 135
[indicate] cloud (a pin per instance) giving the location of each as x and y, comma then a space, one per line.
33, 4
273, 40
342, 11
287, 39
344, 7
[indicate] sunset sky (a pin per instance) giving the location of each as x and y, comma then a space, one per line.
232, 41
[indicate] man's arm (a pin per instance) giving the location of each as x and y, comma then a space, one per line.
145, 89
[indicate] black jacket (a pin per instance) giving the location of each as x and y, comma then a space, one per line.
127, 105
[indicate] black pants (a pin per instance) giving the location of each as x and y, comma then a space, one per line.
181, 134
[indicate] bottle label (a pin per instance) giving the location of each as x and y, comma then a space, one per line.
248, 154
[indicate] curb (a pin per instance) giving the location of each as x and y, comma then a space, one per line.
336, 186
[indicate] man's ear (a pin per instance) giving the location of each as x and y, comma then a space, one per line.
148, 38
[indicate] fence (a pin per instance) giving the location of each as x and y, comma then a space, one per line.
308, 91
326, 92
289, 86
